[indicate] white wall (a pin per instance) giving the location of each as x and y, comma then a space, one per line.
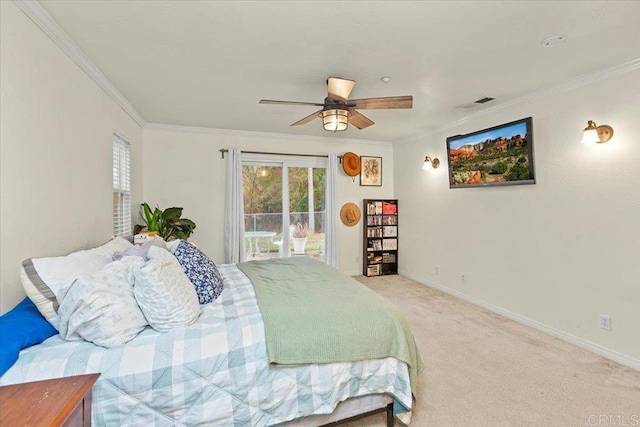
556, 254
184, 168
55, 152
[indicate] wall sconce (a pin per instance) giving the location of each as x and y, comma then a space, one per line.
594, 133
430, 163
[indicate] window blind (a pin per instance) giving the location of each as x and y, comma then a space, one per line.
121, 187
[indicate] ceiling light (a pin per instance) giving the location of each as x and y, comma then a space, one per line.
335, 120
385, 79
553, 41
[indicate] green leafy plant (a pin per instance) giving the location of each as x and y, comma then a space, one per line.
167, 223
151, 218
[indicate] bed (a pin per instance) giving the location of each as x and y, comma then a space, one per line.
220, 371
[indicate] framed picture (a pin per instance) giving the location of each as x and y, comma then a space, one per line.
501, 155
371, 172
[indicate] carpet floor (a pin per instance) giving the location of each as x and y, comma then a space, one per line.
482, 369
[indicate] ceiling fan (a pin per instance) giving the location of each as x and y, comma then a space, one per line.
338, 110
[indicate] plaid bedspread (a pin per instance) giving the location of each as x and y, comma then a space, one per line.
214, 372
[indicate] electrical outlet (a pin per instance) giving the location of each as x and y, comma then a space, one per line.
437, 269
605, 322
462, 277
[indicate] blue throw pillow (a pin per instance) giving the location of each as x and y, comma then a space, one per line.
20, 328
202, 272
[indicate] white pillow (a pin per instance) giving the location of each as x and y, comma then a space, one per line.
164, 293
101, 307
172, 245
44, 278
141, 250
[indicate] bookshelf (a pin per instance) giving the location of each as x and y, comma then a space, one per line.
380, 237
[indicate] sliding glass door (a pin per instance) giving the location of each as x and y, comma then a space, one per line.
284, 206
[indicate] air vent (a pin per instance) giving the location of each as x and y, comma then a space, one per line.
468, 106
484, 100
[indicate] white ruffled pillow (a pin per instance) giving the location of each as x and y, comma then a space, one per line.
141, 250
164, 293
101, 307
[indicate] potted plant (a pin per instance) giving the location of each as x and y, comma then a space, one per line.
151, 219
299, 236
167, 223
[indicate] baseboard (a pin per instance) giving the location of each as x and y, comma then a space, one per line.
582, 343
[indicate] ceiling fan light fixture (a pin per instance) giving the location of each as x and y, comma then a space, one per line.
335, 120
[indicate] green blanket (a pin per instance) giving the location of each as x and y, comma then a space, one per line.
315, 314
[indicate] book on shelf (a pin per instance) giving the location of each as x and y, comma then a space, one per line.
389, 231
389, 208
390, 244
374, 232
388, 257
390, 220
374, 208
373, 270
374, 258
374, 220
374, 245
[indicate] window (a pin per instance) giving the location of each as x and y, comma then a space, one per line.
284, 208
121, 187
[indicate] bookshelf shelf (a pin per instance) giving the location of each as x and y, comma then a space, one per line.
380, 237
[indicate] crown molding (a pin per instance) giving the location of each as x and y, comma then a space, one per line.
34, 11
287, 136
567, 86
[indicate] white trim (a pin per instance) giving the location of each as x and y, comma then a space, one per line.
260, 161
45, 22
572, 339
567, 86
288, 136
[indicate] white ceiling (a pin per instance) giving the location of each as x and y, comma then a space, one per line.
208, 63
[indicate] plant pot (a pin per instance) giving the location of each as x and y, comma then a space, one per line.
144, 236
299, 244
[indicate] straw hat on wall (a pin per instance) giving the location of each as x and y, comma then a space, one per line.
351, 164
350, 214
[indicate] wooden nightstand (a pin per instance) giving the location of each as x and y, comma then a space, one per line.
57, 402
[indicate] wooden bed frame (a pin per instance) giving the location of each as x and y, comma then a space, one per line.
349, 410
388, 409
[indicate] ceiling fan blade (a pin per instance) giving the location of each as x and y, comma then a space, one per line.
359, 120
270, 101
390, 102
339, 89
307, 119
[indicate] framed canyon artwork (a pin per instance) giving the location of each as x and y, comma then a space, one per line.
500, 155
